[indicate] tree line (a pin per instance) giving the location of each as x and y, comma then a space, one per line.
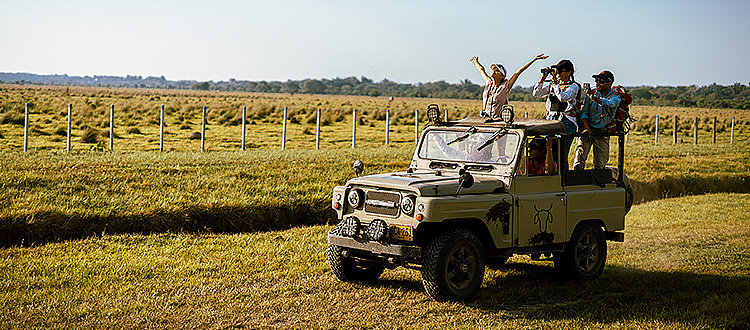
736, 96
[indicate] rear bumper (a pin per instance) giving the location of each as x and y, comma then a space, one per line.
407, 251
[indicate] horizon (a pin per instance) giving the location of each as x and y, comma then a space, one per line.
644, 43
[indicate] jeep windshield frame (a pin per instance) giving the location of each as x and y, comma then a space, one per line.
502, 151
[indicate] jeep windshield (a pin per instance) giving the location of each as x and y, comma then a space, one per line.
501, 149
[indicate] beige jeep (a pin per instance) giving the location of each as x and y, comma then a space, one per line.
468, 200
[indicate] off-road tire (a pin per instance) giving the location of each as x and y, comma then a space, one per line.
453, 265
353, 270
584, 256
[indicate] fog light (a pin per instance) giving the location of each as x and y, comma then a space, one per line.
377, 229
350, 227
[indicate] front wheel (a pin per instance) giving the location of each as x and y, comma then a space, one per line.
349, 269
585, 254
453, 265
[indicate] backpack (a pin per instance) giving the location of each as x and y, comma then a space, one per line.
622, 113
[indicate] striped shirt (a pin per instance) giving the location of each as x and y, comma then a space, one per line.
494, 97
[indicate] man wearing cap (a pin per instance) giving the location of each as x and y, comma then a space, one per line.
563, 96
497, 89
598, 110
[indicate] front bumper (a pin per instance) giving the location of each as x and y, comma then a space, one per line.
407, 251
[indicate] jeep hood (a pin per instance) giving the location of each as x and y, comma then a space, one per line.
427, 183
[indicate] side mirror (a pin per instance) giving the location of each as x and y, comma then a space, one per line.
465, 180
358, 167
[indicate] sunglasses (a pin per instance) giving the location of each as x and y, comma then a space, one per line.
601, 81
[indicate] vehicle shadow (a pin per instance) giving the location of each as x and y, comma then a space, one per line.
536, 291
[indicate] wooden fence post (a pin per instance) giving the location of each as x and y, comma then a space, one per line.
656, 130
161, 129
203, 130
354, 128
70, 122
674, 129
317, 130
111, 127
713, 132
695, 130
731, 137
244, 115
283, 131
387, 124
26, 128
416, 126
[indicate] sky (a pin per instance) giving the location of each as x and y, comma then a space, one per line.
654, 42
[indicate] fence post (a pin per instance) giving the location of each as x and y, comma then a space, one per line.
656, 131
161, 129
26, 128
674, 129
283, 131
731, 137
70, 121
695, 130
317, 130
354, 128
203, 130
713, 132
387, 124
446, 115
416, 126
526, 114
244, 114
111, 127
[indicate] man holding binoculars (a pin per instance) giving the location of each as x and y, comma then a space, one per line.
598, 110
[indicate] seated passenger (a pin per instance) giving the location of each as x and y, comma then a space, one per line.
540, 157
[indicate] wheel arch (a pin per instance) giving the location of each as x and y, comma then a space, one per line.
428, 230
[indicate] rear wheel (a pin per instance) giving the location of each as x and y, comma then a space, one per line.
350, 269
453, 265
585, 254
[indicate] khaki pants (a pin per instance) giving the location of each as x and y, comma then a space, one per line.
601, 151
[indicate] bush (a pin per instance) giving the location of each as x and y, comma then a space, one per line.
134, 130
90, 135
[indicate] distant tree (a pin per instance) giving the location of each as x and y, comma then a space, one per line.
314, 87
201, 86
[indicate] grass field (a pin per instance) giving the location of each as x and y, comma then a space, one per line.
684, 265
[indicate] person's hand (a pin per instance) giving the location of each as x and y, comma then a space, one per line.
541, 57
586, 131
474, 60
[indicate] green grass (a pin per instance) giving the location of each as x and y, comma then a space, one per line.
684, 265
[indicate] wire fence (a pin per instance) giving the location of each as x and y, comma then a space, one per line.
675, 128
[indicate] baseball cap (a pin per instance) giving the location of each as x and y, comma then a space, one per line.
564, 64
606, 75
501, 68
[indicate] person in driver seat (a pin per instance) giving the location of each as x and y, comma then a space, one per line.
541, 161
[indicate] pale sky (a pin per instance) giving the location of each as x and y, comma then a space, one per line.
642, 42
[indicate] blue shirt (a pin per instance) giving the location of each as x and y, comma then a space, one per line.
600, 115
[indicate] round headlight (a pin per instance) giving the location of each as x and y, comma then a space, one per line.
355, 198
350, 227
407, 205
376, 230
506, 114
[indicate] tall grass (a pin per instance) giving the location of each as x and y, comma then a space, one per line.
683, 265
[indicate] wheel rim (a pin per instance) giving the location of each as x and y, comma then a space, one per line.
461, 267
587, 253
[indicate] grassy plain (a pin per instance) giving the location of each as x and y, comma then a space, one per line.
684, 265
49, 194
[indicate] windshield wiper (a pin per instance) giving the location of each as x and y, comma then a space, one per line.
464, 136
493, 138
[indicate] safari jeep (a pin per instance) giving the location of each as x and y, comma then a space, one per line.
468, 200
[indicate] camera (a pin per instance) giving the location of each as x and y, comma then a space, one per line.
547, 70
586, 86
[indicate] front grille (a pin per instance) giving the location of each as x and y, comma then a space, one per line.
382, 202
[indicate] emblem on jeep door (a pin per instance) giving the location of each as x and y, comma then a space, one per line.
543, 217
